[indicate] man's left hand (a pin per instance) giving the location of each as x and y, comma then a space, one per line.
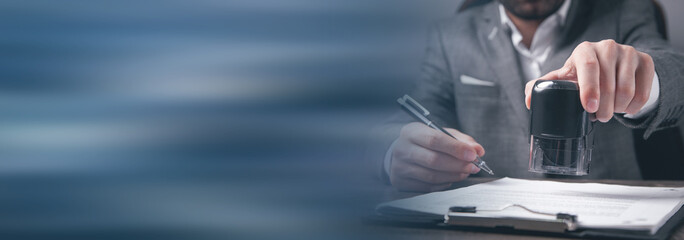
612, 78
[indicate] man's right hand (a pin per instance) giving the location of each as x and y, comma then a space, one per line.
426, 160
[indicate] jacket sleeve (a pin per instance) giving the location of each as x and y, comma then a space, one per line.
637, 27
434, 90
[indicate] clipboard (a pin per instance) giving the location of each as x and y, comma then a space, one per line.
563, 226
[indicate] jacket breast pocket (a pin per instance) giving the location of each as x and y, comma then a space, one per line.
477, 92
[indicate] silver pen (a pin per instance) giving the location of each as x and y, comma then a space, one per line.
419, 112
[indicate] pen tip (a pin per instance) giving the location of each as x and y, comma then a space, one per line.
482, 165
487, 169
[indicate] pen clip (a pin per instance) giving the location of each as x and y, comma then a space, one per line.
408, 100
405, 103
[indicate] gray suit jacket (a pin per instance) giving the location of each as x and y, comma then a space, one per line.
475, 44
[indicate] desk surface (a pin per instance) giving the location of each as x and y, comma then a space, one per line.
419, 233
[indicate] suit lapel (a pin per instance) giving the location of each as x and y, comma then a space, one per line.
569, 38
503, 61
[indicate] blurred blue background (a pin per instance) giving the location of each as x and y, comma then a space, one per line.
193, 119
196, 119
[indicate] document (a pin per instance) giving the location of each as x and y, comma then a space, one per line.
595, 205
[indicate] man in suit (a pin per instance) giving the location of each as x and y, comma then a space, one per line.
477, 76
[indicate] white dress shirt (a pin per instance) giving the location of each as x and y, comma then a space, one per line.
533, 57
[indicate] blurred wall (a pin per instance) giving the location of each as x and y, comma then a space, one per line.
673, 12
178, 118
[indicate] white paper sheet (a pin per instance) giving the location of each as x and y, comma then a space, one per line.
596, 205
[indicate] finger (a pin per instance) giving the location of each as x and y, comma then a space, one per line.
438, 141
586, 64
644, 78
412, 185
607, 54
432, 159
467, 139
426, 175
625, 80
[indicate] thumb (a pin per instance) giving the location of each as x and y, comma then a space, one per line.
567, 72
528, 92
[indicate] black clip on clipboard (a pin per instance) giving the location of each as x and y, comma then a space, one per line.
562, 223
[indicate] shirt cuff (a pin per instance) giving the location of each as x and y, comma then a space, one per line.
388, 159
652, 100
